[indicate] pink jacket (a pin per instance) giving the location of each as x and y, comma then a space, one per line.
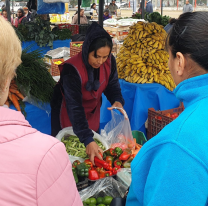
34, 168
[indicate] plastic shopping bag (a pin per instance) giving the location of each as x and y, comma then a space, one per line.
69, 131
117, 132
104, 187
53, 8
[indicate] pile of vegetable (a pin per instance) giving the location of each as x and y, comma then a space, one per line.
61, 34
113, 160
77, 45
38, 30
142, 58
100, 201
75, 148
156, 17
33, 76
153, 17
16, 97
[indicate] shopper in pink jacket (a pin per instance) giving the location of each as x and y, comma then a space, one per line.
34, 167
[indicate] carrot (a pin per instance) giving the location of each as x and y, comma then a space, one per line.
15, 91
15, 102
12, 86
20, 95
135, 151
134, 140
138, 146
10, 96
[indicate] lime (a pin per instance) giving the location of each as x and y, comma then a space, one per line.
87, 201
107, 200
99, 200
101, 205
93, 201
84, 204
92, 204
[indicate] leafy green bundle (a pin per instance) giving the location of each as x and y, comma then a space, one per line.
33, 76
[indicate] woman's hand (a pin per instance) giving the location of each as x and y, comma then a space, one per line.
93, 150
119, 105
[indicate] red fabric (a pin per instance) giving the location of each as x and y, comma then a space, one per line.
18, 21
91, 100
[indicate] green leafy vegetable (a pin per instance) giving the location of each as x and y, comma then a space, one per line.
33, 76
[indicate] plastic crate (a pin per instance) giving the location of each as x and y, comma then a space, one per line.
157, 120
72, 27
75, 50
83, 28
139, 136
54, 67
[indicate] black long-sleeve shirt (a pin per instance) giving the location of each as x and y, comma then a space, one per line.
71, 87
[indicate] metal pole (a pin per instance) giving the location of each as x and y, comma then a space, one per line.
143, 2
13, 9
101, 2
161, 7
79, 3
8, 10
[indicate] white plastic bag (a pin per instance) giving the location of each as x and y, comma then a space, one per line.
69, 131
107, 186
117, 132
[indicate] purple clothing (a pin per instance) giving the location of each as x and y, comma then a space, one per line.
106, 17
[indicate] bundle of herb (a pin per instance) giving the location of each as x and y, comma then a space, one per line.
33, 76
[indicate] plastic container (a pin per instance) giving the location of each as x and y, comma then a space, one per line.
54, 67
75, 50
139, 136
157, 120
91, 182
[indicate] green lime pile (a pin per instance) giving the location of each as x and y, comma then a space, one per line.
100, 201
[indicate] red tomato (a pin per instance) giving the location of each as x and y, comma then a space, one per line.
159, 118
167, 115
174, 115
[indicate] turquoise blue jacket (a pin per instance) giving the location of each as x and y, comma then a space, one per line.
171, 169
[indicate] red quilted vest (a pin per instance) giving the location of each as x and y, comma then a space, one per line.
91, 100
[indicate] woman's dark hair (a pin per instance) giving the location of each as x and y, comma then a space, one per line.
93, 5
22, 11
100, 42
4, 9
172, 20
189, 36
106, 11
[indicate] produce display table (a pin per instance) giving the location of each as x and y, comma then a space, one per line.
138, 99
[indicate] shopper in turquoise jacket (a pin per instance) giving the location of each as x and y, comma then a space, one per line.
171, 169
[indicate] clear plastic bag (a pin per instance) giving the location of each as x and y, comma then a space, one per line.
124, 176
69, 131
52, 8
104, 187
118, 132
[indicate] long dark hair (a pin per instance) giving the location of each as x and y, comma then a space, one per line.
189, 36
93, 5
100, 42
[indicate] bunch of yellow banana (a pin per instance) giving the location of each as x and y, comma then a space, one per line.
142, 58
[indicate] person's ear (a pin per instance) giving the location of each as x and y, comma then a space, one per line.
180, 63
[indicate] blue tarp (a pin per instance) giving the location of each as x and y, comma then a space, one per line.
56, 44
138, 98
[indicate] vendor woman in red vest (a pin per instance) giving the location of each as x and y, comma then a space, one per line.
21, 19
78, 95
